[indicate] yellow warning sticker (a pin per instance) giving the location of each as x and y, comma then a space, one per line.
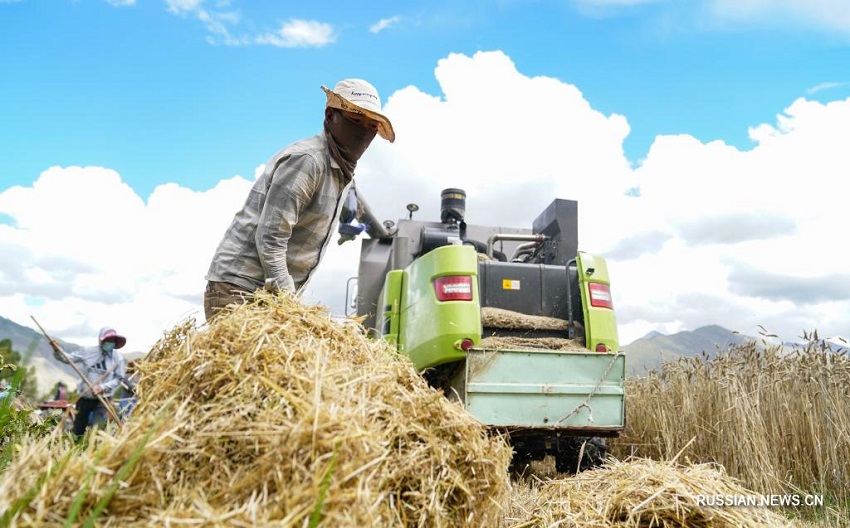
508, 284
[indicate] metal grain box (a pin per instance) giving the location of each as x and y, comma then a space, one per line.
545, 388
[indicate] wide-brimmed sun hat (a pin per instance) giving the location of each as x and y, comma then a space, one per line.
109, 334
360, 97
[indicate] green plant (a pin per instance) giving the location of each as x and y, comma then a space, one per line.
14, 371
316, 514
17, 420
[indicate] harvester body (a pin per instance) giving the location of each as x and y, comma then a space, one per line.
465, 304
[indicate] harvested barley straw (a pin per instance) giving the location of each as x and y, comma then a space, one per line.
273, 415
507, 319
637, 493
532, 343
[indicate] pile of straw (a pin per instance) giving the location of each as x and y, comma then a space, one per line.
639, 493
274, 415
531, 343
510, 320
499, 318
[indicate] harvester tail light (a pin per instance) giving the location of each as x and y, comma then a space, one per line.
602, 347
464, 344
600, 295
453, 288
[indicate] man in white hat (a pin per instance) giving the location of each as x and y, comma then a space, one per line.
282, 231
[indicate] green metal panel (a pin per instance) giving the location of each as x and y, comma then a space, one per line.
430, 330
545, 388
390, 306
600, 323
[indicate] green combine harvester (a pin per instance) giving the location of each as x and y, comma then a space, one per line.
517, 325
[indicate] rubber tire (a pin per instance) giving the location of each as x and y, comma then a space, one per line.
595, 450
520, 465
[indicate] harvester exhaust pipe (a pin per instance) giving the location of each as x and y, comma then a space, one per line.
452, 206
453, 228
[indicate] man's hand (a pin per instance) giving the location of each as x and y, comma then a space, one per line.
276, 286
271, 286
98, 390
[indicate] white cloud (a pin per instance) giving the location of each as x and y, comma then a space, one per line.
122, 3
834, 14
92, 253
501, 130
300, 34
383, 24
221, 20
713, 237
826, 86
183, 6
217, 22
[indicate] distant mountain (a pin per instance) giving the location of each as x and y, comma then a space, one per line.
839, 344
37, 353
650, 351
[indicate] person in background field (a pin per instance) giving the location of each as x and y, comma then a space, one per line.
104, 368
61, 392
282, 231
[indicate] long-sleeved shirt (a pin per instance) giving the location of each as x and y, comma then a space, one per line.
101, 369
287, 221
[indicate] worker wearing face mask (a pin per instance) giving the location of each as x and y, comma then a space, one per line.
280, 234
104, 368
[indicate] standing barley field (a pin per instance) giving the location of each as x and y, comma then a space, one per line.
778, 421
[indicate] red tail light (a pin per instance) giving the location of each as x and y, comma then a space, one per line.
456, 288
600, 295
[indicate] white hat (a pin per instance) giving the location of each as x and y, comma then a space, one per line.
360, 97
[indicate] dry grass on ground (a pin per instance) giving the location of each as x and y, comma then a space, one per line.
637, 493
272, 416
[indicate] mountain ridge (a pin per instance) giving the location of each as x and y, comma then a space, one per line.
649, 352
36, 352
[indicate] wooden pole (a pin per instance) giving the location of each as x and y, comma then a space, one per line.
56, 348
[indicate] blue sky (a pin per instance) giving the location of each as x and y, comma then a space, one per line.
165, 109
158, 96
